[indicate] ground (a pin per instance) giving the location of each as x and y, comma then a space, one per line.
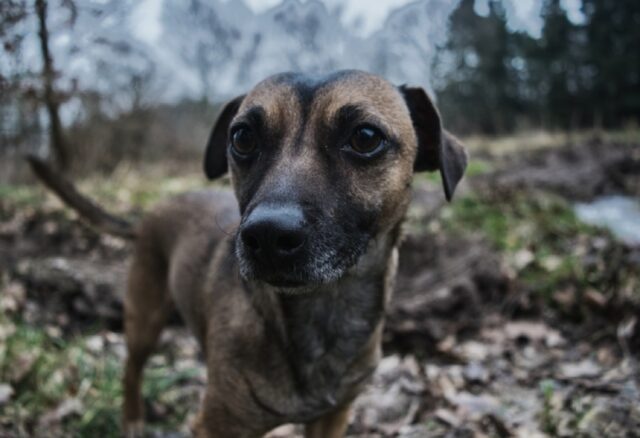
510, 317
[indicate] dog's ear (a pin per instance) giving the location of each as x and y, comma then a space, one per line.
215, 157
437, 148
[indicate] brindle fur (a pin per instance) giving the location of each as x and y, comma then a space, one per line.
278, 354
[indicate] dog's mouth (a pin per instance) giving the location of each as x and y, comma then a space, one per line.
292, 274
293, 288
285, 283
317, 265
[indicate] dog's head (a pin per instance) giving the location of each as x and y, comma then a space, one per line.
321, 166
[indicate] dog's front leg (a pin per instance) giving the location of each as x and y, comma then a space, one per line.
332, 425
219, 417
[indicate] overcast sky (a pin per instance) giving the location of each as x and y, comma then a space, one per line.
361, 17
370, 14
523, 14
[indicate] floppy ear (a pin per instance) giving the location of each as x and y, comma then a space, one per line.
437, 148
215, 157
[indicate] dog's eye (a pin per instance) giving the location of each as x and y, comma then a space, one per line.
243, 141
366, 141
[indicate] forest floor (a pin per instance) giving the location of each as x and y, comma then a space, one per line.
510, 317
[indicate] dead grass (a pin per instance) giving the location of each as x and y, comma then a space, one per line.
537, 140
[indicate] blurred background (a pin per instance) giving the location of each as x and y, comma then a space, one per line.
102, 81
516, 305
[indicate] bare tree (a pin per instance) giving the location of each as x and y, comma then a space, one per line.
51, 101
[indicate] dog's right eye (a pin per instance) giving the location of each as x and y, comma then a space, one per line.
243, 141
366, 143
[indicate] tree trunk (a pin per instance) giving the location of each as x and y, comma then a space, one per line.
50, 99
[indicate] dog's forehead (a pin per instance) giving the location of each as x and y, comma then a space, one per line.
295, 94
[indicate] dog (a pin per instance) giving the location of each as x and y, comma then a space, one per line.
285, 284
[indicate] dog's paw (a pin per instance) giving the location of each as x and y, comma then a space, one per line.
134, 429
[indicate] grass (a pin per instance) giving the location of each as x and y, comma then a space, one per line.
474, 167
537, 233
124, 190
140, 188
534, 140
21, 195
59, 371
525, 220
547, 416
54, 371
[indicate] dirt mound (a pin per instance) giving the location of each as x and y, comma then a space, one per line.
72, 276
578, 171
444, 286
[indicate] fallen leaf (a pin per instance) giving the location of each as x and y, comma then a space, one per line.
551, 263
534, 331
6, 392
13, 297
595, 298
476, 373
473, 406
22, 365
284, 431
447, 416
585, 368
66, 408
522, 258
565, 298
95, 343
479, 351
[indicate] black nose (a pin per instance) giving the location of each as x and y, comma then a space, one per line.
273, 233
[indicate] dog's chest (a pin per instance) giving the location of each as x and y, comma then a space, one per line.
323, 338
309, 354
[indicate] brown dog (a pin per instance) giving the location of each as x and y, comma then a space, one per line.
286, 293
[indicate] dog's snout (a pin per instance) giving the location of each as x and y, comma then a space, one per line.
272, 233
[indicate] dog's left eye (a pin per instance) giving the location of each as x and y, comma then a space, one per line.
243, 141
366, 142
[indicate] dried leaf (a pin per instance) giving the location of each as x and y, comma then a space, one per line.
584, 369
68, 407
6, 392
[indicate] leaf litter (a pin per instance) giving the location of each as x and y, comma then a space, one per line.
474, 346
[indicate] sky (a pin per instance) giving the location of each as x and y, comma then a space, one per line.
363, 17
522, 14
369, 15
525, 14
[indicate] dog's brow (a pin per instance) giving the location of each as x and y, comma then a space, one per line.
354, 114
349, 113
254, 116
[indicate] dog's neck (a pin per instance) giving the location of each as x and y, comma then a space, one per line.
324, 332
